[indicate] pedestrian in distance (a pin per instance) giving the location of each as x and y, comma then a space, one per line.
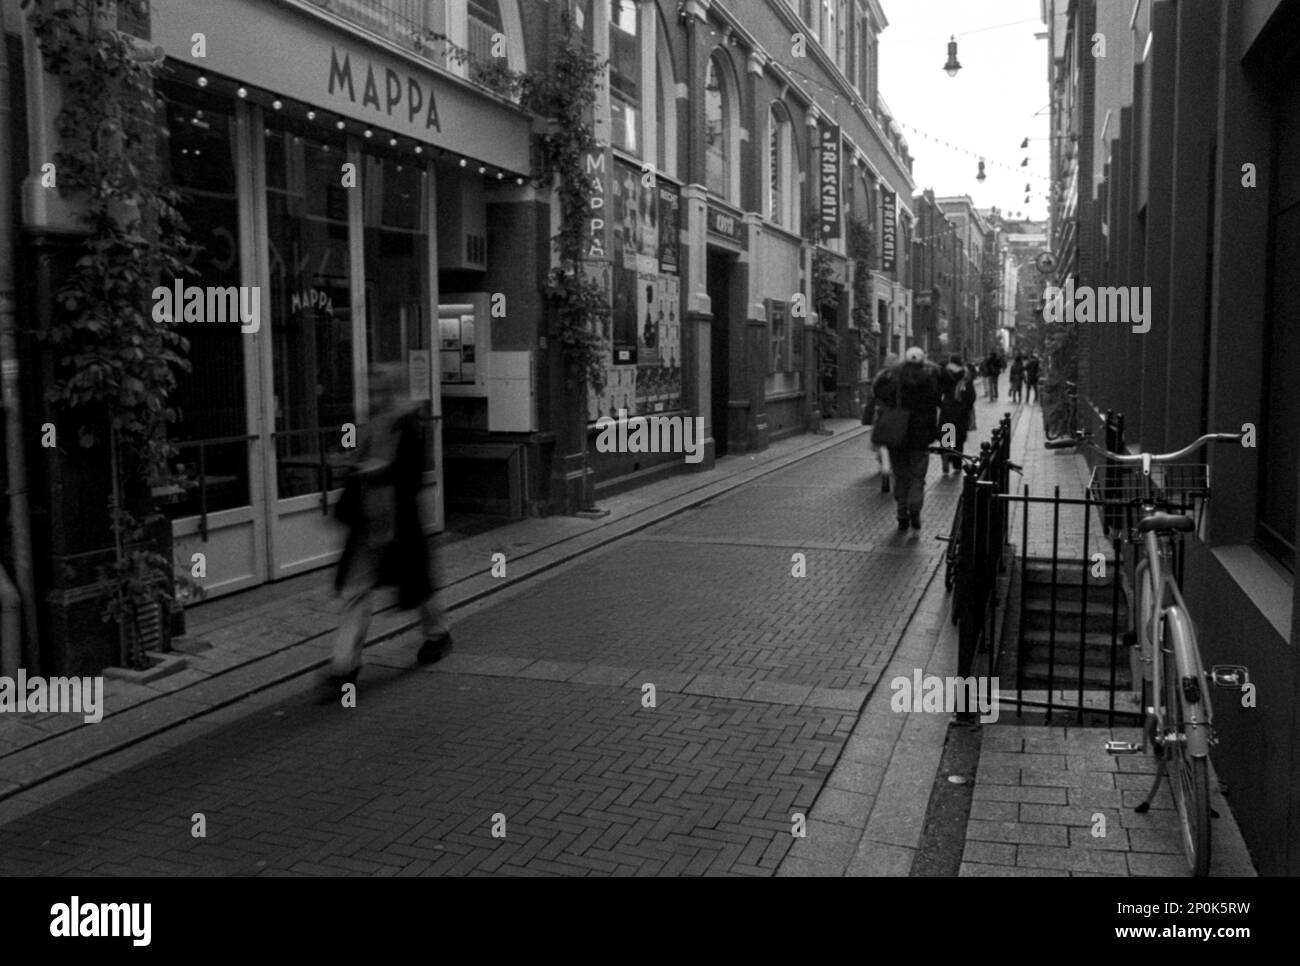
994, 373
1017, 377
912, 388
385, 545
956, 410
871, 409
1031, 377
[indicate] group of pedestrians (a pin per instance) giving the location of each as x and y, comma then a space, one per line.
1024, 378
916, 403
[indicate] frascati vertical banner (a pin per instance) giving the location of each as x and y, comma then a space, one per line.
829, 185
888, 229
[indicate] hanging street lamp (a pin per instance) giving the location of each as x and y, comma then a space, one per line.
953, 64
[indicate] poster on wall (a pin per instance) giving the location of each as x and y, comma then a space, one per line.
418, 365
623, 304
658, 384
643, 359
670, 219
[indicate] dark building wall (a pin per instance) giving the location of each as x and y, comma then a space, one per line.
1182, 221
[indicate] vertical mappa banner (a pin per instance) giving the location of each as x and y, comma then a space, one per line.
888, 229
829, 183
598, 164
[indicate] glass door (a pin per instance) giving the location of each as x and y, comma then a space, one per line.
314, 361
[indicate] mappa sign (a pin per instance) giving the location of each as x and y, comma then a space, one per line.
596, 239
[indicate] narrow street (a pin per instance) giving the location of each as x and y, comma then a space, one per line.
538, 715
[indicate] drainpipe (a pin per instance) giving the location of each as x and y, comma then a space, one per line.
20, 531
10, 626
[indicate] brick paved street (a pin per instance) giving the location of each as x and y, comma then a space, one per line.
538, 717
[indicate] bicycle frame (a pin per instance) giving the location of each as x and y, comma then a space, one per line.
1166, 632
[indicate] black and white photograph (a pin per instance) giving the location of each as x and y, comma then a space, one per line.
650, 438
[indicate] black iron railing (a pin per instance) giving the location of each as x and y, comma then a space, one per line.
983, 537
1070, 654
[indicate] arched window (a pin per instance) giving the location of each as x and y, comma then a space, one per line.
782, 190
625, 74
666, 104
719, 129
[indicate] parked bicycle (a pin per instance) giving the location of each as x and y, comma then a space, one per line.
1062, 420
1161, 500
952, 554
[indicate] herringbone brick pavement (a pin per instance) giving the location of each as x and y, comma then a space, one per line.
759, 675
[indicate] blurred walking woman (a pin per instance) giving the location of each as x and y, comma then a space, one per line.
385, 544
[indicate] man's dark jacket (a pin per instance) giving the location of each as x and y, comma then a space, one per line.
922, 385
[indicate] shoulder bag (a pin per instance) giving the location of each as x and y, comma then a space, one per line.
890, 428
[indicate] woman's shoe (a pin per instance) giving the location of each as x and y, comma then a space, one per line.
433, 649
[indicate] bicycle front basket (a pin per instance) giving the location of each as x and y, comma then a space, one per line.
1176, 487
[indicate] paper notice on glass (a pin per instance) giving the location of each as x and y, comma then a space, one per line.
418, 370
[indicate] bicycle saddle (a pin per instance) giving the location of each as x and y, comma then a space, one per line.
1166, 521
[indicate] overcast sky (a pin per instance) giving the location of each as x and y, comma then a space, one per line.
988, 108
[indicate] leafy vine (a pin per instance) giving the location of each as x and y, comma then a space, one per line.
116, 367
564, 95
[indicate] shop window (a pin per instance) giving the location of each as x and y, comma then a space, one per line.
484, 20
719, 121
1280, 433
861, 68
211, 462
841, 35
310, 308
624, 74
665, 110
580, 11
778, 322
782, 193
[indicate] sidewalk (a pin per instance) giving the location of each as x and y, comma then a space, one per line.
870, 816
1048, 801
268, 636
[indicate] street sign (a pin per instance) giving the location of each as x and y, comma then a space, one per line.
1046, 263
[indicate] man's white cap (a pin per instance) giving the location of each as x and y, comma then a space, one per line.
915, 354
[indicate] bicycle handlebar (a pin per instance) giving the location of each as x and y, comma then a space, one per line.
1145, 458
966, 458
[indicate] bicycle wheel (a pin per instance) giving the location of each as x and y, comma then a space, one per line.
950, 556
1189, 777
1056, 423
